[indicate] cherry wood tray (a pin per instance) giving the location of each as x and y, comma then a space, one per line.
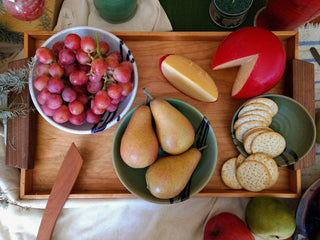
97, 178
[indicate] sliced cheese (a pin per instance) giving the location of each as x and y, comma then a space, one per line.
189, 78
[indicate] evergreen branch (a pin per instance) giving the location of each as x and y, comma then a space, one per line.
15, 109
14, 80
10, 36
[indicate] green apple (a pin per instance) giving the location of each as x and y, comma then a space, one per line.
270, 218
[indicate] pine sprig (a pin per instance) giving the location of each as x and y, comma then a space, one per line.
15, 109
9, 36
13, 80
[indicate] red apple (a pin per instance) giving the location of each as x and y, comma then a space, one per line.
226, 226
260, 55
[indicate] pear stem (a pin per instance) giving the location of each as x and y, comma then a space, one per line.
148, 94
203, 147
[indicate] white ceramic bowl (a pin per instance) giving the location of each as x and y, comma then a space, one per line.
108, 119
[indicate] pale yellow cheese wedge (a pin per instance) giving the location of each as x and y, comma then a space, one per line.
189, 78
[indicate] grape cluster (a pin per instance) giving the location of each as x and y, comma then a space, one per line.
78, 79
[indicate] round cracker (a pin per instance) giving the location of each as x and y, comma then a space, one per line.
250, 117
240, 159
255, 106
272, 104
253, 175
270, 143
255, 129
269, 163
263, 113
249, 138
244, 127
228, 174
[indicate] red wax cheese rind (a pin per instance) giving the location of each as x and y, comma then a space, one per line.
260, 56
188, 77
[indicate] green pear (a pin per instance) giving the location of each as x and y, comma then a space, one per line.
169, 175
139, 144
270, 218
175, 132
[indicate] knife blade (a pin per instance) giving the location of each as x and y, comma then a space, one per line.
315, 54
61, 189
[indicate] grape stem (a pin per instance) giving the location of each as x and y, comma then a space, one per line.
98, 54
147, 93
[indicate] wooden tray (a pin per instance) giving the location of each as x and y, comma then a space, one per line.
97, 178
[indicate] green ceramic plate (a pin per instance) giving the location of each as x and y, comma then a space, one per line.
294, 123
134, 179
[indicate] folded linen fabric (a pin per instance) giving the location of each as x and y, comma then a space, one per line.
150, 16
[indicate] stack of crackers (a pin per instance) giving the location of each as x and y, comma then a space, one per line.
258, 171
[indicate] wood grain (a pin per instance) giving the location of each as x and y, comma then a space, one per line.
20, 141
97, 178
62, 186
300, 75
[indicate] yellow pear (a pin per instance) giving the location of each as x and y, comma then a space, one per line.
169, 175
139, 143
174, 131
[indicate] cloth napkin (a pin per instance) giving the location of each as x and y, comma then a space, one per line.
133, 219
150, 16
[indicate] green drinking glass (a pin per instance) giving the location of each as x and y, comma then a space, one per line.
116, 11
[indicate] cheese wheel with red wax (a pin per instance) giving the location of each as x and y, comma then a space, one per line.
261, 58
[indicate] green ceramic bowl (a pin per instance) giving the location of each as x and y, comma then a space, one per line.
293, 122
134, 179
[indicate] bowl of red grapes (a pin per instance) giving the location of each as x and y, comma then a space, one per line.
83, 80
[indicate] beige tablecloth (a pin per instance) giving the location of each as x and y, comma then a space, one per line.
118, 219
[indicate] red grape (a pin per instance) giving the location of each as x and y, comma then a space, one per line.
56, 70
94, 87
47, 111
75, 107
78, 78
95, 109
44, 55
94, 78
91, 117
98, 67
104, 48
82, 56
121, 74
57, 47
111, 62
114, 91
61, 115
67, 56
42, 69
116, 55
69, 94
85, 68
102, 100
78, 119
54, 101
126, 88
128, 65
69, 68
80, 89
40, 82
55, 85
112, 107
88, 44
83, 98
43, 96
72, 41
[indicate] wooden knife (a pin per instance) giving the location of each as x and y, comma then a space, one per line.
62, 186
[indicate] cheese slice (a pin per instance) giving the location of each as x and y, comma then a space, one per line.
189, 78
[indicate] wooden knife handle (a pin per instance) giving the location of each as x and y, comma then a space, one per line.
63, 184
